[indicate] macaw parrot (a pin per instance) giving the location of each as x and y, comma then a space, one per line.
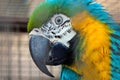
80, 35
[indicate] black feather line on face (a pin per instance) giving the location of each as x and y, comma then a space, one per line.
71, 53
65, 22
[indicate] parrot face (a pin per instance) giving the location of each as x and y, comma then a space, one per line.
51, 43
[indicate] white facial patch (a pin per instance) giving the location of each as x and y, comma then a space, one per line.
57, 29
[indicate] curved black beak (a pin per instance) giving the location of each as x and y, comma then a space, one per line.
44, 53
39, 49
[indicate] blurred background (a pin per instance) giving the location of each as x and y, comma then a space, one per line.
15, 60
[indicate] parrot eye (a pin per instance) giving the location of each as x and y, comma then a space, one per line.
58, 20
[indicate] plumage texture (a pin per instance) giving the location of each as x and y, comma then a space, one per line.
98, 49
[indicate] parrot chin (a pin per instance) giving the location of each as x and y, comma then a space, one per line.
44, 53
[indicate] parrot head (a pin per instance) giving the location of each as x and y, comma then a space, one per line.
78, 34
52, 43
52, 38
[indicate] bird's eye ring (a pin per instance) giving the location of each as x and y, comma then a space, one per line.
58, 20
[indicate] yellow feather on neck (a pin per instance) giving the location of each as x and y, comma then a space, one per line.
94, 61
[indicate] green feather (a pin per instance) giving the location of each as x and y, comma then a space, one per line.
42, 14
45, 10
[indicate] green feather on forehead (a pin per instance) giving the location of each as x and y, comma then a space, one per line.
45, 10
43, 13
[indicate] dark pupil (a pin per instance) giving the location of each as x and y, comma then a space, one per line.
58, 20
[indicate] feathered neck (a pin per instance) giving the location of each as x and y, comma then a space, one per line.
68, 74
